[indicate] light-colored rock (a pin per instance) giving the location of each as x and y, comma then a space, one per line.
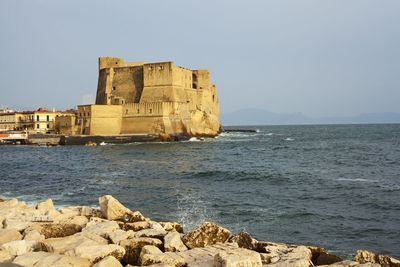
160, 265
64, 244
17, 224
117, 236
156, 226
109, 261
136, 226
351, 264
45, 259
283, 254
161, 258
52, 230
97, 252
172, 226
81, 211
205, 235
364, 256
6, 256
237, 257
33, 235
19, 247
45, 206
292, 263
7, 235
267, 258
148, 250
104, 228
11, 203
112, 209
53, 215
173, 242
133, 247
78, 220
155, 233
322, 257
245, 240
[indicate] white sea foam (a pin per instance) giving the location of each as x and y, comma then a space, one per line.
289, 139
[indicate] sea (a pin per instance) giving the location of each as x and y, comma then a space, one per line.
334, 186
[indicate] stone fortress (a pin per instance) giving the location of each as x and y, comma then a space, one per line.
150, 98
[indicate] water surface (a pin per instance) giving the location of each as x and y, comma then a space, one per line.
333, 186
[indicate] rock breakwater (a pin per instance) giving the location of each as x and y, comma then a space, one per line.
114, 235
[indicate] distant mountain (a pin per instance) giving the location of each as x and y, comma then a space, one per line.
264, 117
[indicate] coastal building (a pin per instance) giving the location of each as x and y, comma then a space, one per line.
45, 120
38, 121
150, 98
8, 121
66, 124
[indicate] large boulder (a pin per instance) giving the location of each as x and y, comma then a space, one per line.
97, 252
133, 247
136, 226
292, 263
117, 236
102, 228
6, 256
172, 226
63, 244
205, 235
112, 209
109, 261
52, 230
44, 259
155, 233
173, 242
245, 240
17, 224
321, 256
19, 247
283, 254
364, 256
152, 258
348, 263
78, 220
7, 235
237, 257
45, 206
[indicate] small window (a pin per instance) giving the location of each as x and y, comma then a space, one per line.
114, 88
47, 118
150, 111
126, 111
37, 117
48, 126
138, 111
37, 126
161, 67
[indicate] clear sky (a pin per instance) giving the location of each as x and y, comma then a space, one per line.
321, 58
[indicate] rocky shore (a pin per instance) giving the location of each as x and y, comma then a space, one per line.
113, 235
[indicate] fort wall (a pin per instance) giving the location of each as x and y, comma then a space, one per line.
151, 98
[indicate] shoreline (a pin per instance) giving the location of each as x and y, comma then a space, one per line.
113, 235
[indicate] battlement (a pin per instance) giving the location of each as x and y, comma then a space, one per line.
114, 62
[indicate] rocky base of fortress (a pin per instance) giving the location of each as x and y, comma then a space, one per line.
113, 235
